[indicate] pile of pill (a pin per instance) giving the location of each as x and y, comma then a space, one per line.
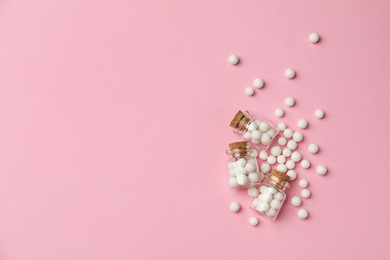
244, 173
260, 132
269, 201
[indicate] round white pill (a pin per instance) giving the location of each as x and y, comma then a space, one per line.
282, 141
263, 155
272, 190
256, 135
292, 174
233, 59
247, 136
305, 164
271, 213
271, 159
233, 182
321, 169
282, 168
264, 126
253, 192
249, 91
314, 37
258, 83
313, 148
281, 159
286, 152
254, 153
298, 137
279, 196
252, 127
319, 113
289, 101
303, 214
255, 202
250, 167
235, 207
265, 168
242, 179
265, 139
263, 189
253, 221
289, 73
305, 193
288, 133
282, 126
296, 201
279, 112
296, 156
241, 162
290, 164
275, 204
253, 177
276, 150
292, 145
263, 207
261, 176
303, 183
302, 123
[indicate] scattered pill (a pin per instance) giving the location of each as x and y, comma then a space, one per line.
258, 83
302, 123
305, 193
282, 141
319, 113
321, 169
276, 150
281, 159
289, 101
296, 201
286, 152
279, 196
253, 192
235, 207
305, 164
303, 183
265, 168
303, 214
298, 137
279, 112
289, 73
292, 145
314, 37
288, 133
275, 204
271, 159
282, 126
263, 155
253, 221
296, 156
292, 174
281, 167
249, 91
233, 59
313, 148
290, 164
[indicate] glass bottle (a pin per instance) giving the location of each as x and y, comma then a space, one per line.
242, 164
272, 194
260, 133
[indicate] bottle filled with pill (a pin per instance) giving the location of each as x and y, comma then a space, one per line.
259, 133
272, 194
242, 165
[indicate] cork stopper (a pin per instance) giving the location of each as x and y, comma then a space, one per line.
238, 149
239, 121
278, 178
242, 144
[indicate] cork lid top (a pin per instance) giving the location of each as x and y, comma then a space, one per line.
236, 120
240, 144
278, 177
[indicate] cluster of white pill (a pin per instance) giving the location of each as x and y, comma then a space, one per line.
268, 201
259, 132
244, 172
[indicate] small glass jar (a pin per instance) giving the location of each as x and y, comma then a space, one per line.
259, 133
243, 168
272, 194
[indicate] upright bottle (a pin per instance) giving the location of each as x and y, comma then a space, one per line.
242, 165
272, 194
259, 133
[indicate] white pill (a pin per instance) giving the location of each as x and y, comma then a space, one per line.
276, 150
302, 123
292, 174
271, 132
303, 183
290, 164
286, 152
257, 121
271, 213
281, 159
321, 169
279, 196
250, 167
305, 193
247, 136
255, 141
263, 189
249, 91
253, 221
292, 145
258, 83
254, 153
305, 164
265, 168
298, 137
253, 192
261, 176
282, 168
235, 207
289, 73
242, 179
272, 190
288, 133
232, 172
255, 202
313, 148
256, 135
282, 141
265, 139
319, 113
279, 112
253, 177
233, 59
275, 204
263, 155
296, 156
271, 159
233, 182
296, 201
263, 207
303, 214
264, 126
282, 126
289, 101
241, 162
266, 197
314, 37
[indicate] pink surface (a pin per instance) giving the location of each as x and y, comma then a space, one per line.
114, 121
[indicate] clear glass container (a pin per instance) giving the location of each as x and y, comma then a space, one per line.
242, 164
272, 194
260, 133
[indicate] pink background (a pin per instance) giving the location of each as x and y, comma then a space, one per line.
114, 121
